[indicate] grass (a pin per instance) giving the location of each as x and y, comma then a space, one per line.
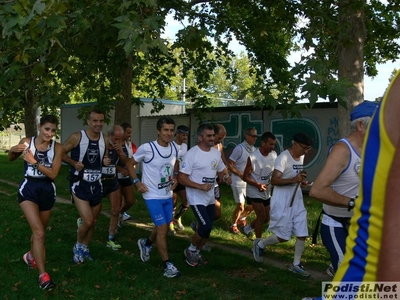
121, 274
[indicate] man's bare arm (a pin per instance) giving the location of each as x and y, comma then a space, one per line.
337, 162
231, 166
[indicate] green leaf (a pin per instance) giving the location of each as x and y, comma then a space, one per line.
39, 7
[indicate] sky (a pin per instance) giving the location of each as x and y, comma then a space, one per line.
373, 87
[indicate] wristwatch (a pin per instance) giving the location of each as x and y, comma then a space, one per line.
136, 180
35, 165
351, 204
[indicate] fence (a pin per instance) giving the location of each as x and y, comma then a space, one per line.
11, 137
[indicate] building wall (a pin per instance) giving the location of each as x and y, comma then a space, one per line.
320, 123
10, 137
148, 126
70, 123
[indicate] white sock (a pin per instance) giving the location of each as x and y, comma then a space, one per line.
298, 251
192, 248
271, 240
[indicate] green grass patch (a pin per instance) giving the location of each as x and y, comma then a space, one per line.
121, 274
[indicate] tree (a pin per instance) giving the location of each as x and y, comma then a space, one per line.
90, 45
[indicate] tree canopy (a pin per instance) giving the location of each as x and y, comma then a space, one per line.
53, 51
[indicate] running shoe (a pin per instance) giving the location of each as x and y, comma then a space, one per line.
330, 271
178, 224
79, 222
257, 251
29, 260
299, 269
144, 250
233, 229
201, 260
171, 271
45, 282
78, 254
126, 216
194, 258
191, 257
113, 245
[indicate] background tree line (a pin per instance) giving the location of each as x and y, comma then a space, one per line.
57, 51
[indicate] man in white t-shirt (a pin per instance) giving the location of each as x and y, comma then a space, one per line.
159, 166
198, 170
257, 174
236, 163
288, 215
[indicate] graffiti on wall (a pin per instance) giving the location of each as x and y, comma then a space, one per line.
235, 126
332, 135
285, 129
236, 123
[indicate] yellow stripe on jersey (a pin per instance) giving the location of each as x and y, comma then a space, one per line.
365, 233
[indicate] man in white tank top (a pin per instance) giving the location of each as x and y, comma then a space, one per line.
236, 164
159, 160
338, 183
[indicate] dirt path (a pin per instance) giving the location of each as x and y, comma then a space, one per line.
315, 275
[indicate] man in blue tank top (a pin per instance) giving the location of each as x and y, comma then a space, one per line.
373, 246
338, 183
87, 149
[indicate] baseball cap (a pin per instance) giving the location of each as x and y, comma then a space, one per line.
303, 138
364, 109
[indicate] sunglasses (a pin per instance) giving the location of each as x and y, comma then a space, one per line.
305, 148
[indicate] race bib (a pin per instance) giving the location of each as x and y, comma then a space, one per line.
208, 180
266, 179
109, 170
164, 188
91, 175
34, 172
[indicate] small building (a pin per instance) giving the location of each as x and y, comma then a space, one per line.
320, 123
143, 121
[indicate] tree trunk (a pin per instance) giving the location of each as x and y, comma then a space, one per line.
124, 102
351, 56
30, 108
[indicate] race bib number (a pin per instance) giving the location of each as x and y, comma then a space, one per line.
164, 188
34, 172
208, 180
91, 175
109, 170
266, 179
